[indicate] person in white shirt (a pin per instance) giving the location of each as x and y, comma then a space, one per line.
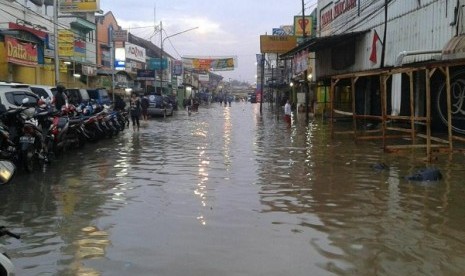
287, 112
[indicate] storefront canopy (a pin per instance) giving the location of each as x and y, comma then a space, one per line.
317, 43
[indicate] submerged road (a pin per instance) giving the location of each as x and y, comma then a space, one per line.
226, 191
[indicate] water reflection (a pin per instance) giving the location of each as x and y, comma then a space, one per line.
227, 191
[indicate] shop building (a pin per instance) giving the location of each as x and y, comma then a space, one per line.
393, 66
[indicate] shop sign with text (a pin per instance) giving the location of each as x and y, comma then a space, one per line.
23, 53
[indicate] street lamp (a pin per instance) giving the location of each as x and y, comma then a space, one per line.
161, 54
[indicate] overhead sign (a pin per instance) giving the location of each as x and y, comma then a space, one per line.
177, 68
278, 31
288, 29
135, 52
119, 35
207, 63
145, 75
70, 6
332, 11
120, 65
18, 52
277, 44
300, 23
156, 64
65, 43
204, 77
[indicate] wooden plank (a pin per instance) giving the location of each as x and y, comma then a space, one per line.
459, 138
344, 132
343, 112
382, 137
417, 146
436, 139
369, 117
400, 118
408, 130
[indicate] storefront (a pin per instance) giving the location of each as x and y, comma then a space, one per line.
23, 58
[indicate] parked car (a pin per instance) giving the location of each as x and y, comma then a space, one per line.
100, 95
159, 106
77, 95
47, 92
13, 94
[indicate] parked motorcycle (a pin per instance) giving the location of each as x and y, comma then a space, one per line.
7, 146
27, 136
6, 266
7, 171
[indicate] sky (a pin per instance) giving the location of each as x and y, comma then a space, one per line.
225, 27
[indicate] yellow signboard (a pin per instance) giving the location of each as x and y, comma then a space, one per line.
277, 44
79, 6
65, 43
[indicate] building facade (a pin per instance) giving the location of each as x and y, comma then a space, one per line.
28, 41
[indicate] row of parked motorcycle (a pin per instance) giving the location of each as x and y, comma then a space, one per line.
36, 133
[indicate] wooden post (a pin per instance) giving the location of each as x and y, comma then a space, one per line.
354, 117
412, 108
428, 115
449, 109
383, 79
331, 105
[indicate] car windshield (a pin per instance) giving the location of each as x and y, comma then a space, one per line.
39, 92
17, 98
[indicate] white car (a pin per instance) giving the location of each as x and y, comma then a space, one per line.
13, 94
45, 91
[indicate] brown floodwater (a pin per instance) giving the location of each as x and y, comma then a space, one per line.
227, 191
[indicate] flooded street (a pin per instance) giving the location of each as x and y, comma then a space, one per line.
229, 192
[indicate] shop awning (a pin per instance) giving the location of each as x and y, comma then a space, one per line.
317, 43
83, 24
455, 48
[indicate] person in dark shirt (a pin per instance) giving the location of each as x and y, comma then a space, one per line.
120, 105
135, 110
144, 104
60, 97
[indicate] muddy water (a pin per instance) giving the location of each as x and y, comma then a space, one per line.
229, 192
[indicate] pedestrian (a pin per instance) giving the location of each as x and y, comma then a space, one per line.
120, 105
60, 97
135, 110
144, 104
287, 113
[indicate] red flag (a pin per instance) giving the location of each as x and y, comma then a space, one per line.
373, 56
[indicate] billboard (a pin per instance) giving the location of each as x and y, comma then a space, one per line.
277, 44
209, 63
69, 6
300, 23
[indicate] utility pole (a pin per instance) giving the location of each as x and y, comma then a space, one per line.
161, 54
55, 43
262, 81
383, 52
161, 58
307, 85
